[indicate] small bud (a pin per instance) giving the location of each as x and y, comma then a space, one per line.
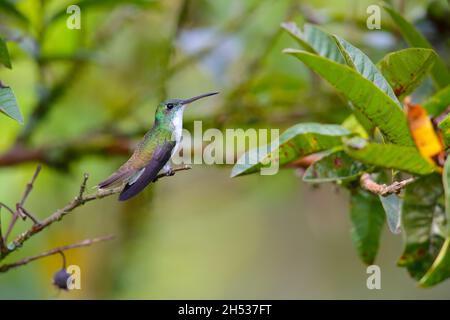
61, 278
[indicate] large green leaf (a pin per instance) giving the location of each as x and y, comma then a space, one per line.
333, 167
440, 72
439, 102
375, 104
419, 216
389, 156
297, 141
367, 216
4, 55
314, 40
356, 59
8, 104
405, 69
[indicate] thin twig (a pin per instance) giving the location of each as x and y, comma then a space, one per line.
83, 187
369, 184
26, 213
3, 247
11, 224
63, 258
7, 208
61, 213
29, 186
84, 243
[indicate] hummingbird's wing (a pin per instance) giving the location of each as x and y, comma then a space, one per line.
159, 158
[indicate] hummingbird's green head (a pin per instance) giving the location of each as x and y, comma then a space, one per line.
172, 108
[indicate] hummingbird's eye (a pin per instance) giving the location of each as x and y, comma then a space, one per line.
169, 106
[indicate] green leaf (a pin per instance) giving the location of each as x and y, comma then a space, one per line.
314, 40
8, 104
333, 167
4, 55
405, 69
440, 269
375, 104
390, 156
439, 102
392, 205
414, 38
444, 125
317, 41
297, 141
353, 125
367, 216
357, 60
419, 215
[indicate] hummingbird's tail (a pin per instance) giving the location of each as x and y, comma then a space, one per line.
117, 178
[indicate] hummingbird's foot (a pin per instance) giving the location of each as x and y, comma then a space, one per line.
168, 173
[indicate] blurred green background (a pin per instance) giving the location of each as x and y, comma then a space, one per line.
198, 234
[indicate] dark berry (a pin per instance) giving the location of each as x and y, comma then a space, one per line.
60, 279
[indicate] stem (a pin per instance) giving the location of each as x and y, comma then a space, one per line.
369, 184
84, 243
16, 214
3, 247
61, 213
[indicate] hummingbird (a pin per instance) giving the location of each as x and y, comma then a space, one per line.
154, 151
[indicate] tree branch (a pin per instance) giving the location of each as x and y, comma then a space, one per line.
3, 247
369, 184
20, 211
59, 214
60, 155
84, 243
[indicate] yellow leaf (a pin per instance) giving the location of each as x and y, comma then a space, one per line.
427, 141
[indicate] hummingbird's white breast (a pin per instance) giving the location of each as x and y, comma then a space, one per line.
177, 123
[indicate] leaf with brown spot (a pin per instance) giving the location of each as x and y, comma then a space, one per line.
334, 167
406, 69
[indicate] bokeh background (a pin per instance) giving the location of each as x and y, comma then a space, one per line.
198, 234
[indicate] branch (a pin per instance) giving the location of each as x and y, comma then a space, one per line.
84, 243
30, 185
369, 184
59, 214
60, 155
3, 247
20, 211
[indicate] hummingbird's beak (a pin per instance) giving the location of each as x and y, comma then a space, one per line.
187, 101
